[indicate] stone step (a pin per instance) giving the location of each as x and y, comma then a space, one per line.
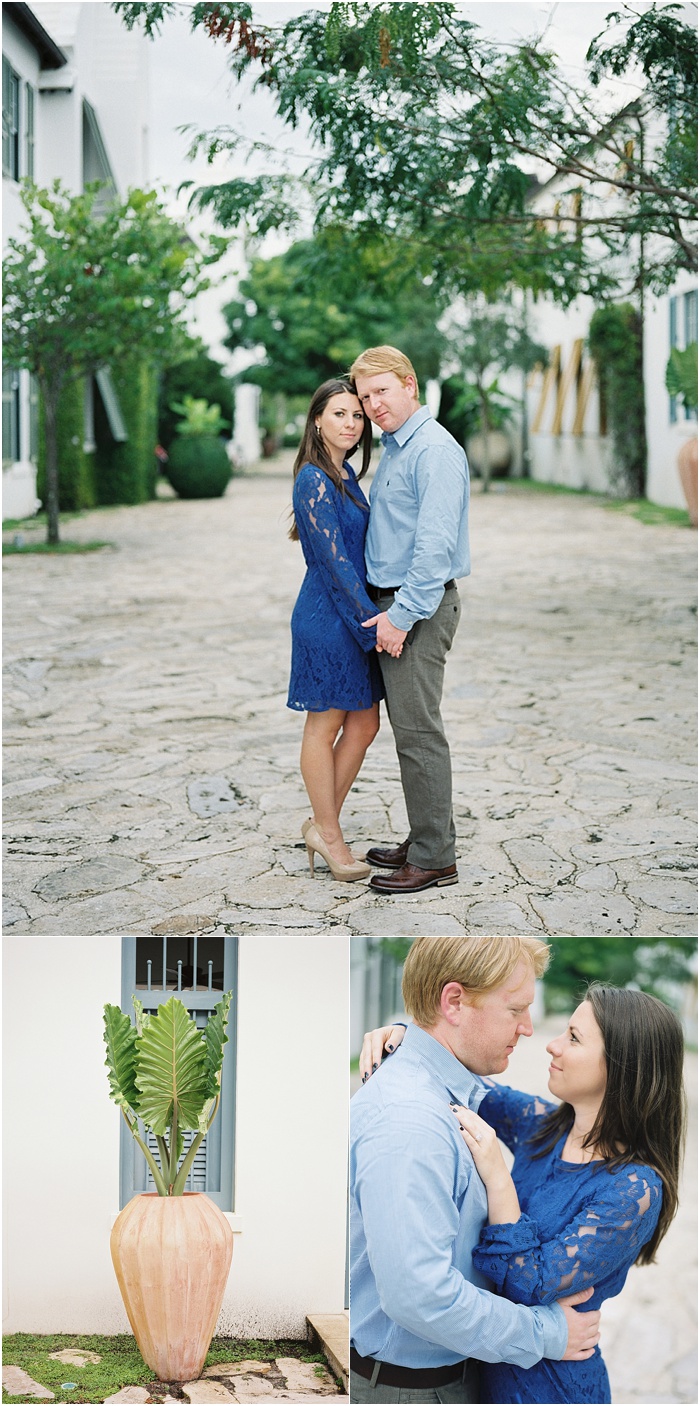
332, 1332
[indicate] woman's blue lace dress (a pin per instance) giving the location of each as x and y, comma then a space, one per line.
580, 1226
334, 661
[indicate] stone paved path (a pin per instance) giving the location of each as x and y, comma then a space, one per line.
151, 765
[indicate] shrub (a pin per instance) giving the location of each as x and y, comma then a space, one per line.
198, 467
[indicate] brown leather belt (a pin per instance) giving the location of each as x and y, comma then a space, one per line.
374, 592
390, 1374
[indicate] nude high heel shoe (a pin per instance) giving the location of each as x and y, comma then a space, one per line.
316, 845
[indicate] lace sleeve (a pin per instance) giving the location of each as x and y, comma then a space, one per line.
512, 1115
607, 1235
316, 501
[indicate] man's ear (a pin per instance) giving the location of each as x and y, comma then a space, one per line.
410, 384
451, 1002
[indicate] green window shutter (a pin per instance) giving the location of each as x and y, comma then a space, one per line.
29, 132
10, 85
197, 970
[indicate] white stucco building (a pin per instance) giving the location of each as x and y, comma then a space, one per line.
568, 434
283, 1181
75, 109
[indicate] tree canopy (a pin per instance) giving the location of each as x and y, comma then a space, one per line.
312, 310
84, 288
431, 133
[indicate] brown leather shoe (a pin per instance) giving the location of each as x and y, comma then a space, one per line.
389, 858
410, 879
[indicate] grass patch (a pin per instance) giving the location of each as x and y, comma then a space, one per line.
38, 520
650, 513
122, 1364
11, 549
535, 485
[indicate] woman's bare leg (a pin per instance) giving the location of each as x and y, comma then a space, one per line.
359, 730
318, 772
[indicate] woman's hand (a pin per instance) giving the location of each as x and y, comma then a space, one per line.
483, 1145
377, 1044
504, 1207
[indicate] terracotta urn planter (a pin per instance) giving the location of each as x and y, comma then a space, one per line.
688, 473
172, 1255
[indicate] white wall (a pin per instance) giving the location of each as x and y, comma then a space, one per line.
112, 73
61, 1180
61, 1136
291, 1135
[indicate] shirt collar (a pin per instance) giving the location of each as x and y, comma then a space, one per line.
463, 1086
409, 427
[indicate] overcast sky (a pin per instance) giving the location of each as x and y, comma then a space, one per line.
191, 85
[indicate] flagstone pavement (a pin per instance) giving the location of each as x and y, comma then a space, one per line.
151, 765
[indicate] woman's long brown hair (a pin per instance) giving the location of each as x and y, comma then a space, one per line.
312, 449
643, 1113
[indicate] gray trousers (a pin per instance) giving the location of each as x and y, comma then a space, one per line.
413, 685
460, 1393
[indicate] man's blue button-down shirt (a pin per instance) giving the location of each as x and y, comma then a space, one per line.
417, 1209
418, 534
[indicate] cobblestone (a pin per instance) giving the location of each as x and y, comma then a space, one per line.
141, 678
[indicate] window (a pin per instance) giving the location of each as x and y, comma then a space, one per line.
10, 416
10, 121
18, 109
682, 332
197, 970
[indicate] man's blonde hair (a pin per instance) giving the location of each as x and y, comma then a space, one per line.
479, 964
377, 359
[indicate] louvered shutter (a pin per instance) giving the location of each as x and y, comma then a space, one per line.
197, 970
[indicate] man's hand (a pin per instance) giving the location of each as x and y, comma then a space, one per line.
583, 1327
388, 637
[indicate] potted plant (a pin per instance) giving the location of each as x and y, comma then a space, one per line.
198, 465
682, 380
171, 1249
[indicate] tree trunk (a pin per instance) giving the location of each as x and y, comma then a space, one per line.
485, 430
50, 394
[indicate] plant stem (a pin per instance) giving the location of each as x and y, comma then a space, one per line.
164, 1155
161, 1188
172, 1171
181, 1178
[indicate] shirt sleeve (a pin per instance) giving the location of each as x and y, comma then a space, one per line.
315, 499
405, 1185
607, 1234
511, 1114
441, 486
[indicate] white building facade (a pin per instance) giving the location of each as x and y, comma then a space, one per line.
287, 1185
568, 434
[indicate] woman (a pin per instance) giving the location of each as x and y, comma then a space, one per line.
335, 678
594, 1184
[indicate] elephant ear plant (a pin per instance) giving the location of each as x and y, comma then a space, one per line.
167, 1073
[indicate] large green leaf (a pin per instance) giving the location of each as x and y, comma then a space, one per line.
171, 1070
120, 1040
215, 1038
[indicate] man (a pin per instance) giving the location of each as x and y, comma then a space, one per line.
417, 543
421, 1315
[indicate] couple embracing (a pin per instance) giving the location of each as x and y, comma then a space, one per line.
470, 1283
377, 612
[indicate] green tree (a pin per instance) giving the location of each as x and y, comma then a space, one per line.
428, 131
84, 288
313, 309
485, 341
647, 962
616, 340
